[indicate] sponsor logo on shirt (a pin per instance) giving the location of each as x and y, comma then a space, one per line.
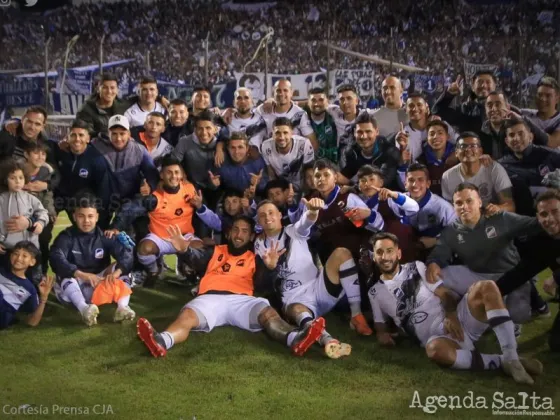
99, 253
83, 173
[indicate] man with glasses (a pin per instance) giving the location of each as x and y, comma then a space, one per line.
493, 183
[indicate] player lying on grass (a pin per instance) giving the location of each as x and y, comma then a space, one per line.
17, 292
225, 296
306, 291
81, 259
430, 313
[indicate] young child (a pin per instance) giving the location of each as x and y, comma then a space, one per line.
22, 216
391, 205
234, 204
17, 292
41, 183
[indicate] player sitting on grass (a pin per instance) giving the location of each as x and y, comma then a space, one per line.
306, 291
430, 314
168, 205
226, 297
81, 259
17, 292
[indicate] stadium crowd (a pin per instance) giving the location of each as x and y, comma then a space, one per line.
433, 34
434, 221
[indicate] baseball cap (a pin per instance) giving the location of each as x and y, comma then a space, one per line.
119, 121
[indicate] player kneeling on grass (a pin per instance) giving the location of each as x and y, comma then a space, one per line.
81, 259
225, 297
17, 292
430, 313
306, 291
169, 205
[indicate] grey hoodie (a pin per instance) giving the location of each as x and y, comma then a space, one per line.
197, 159
20, 203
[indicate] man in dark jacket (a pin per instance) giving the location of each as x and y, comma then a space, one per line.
369, 149
540, 253
81, 259
97, 110
468, 115
127, 165
14, 138
80, 167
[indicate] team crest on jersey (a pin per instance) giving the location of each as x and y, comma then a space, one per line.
178, 212
288, 285
226, 267
543, 170
484, 190
99, 253
373, 292
83, 173
418, 317
491, 232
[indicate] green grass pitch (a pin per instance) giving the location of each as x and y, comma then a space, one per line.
64, 370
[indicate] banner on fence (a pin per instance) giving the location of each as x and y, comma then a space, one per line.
301, 83
77, 81
17, 92
362, 80
472, 68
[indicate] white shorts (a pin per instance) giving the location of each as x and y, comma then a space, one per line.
165, 247
235, 310
472, 327
315, 296
459, 278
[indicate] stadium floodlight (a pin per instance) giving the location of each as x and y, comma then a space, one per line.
69, 46
374, 59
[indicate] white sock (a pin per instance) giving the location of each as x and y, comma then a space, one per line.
463, 360
167, 339
73, 292
303, 318
123, 302
500, 321
349, 280
291, 337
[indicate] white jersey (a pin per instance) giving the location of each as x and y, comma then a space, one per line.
408, 299
435, 213
417, 137
288, 166
137, 116
296, 270
490, 181
342, 125
254, 127
298, 117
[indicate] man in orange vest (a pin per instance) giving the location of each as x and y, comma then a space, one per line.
226, 296
168, 205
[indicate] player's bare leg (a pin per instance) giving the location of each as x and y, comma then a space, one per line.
301, 315
342, 271
299, 340
177, 332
